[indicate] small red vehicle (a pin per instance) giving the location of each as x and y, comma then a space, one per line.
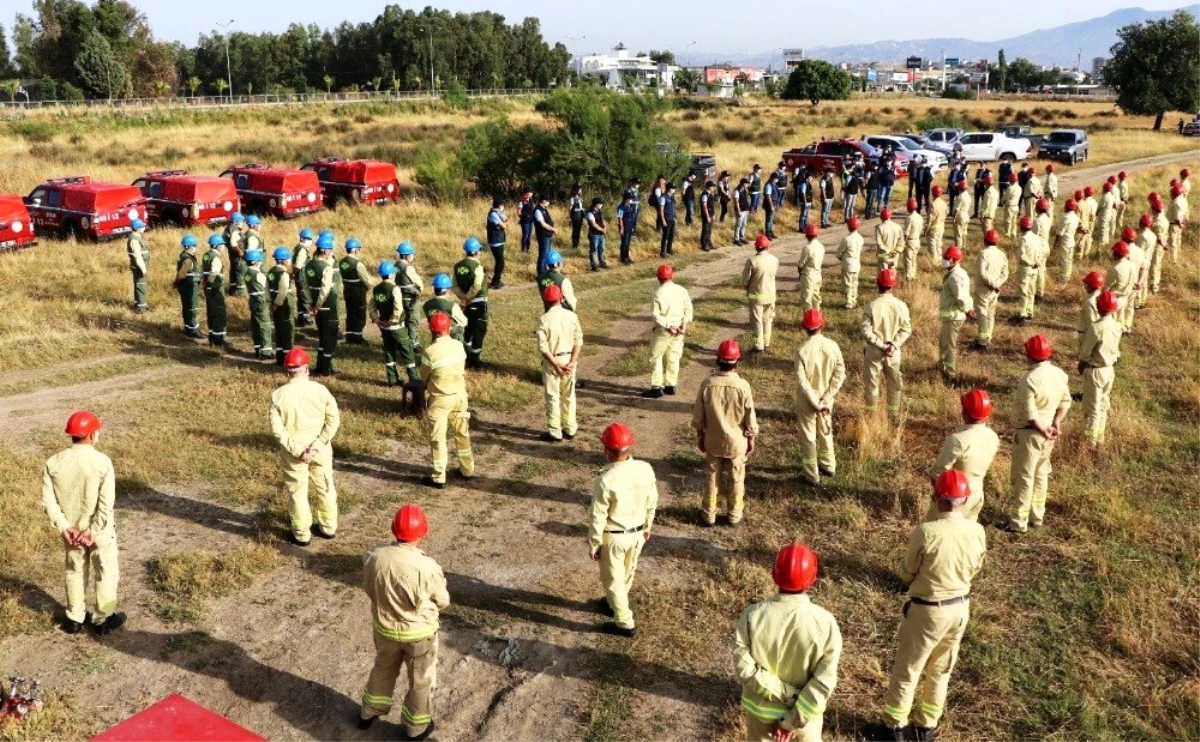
16, 229
282, 192
832, 153
174, 197
356, 181
77, 207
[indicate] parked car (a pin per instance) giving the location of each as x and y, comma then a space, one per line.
77, 207
1066, 145
832, 152
704, 167
175, 197
982, 146
1022, 132
282, 192
16, 228
943, 139
1191, 128
936, 159
355, 181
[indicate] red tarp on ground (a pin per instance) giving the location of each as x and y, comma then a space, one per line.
176, 719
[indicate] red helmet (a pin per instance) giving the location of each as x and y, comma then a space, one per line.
1089, 191
1156, 206
82, 423
1120, 249
795, 568
1108, 186
886, 279
1153, 197
962, 185
1078, 195
1038, 348
729, 351
952, 485
911, 205
853, 223
1026, 223
952, 253
991, 237
665, 272
1094, 280
1128, 234
885, 213
976, 405
811, 231
552, 294
617, 437
1121, 175
1071, 205
1184, 173
410, 524
439, 323
1050, 167
1145, 221
1106, 302
812, 320
1174, 182
761, 242
937, 191
295, 358
987, 179
1043, 205
1176, 191
1012, 178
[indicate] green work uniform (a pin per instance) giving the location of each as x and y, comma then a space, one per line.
354, 289
237, 243
260, 312
187, 282
553, 278
470, 285
387, 309
214, 296
300, 258
139, 265
322, 277
446, 307
411, 292
282, 293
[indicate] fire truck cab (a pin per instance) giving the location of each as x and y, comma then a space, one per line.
16, 229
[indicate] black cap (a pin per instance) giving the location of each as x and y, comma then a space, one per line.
670, 186
709, 184
724, 174
597, 201
757, 166
543, 197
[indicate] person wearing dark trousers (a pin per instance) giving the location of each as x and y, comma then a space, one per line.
708, 212
634, 191
525, 218
689, 198
576, 210
780, 185
656, 194
871, 185
543, 226
497, 227
756, 185
825, 188
804, 196
981, 174
924, 179
666, 215
887, 180
1005, 170
626, 221
799, 174
597, 230
770, 208
724, 193
957, 173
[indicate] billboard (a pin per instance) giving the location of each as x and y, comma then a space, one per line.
913, 63
952, 61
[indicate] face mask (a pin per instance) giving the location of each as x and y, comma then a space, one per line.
946, 263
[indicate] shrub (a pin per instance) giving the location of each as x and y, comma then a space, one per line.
34, 131
690, 116
440, 175
456, 96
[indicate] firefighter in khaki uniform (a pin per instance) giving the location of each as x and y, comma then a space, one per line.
1043, 398
139, 263
300, 255
560, 340
1043, 226
261, 329
991, 273
786, 653
1137, 256
1177, 218
1050, 191
78, 493
942, 559
914, 226
324, 286
471, 288
444, 372
1121, 279
624, 500
725, 424
886, 326
758, 276
889, 237
356, 287
954, 309
1011, 207
1100, 349
282, 296
812, 256
672, 314
962, 213
970, 449
304, 419
1064, 238
1029, 260
187, 283
408, 593
820, 373
849, 253
1147, 241
1122, 197
1087, 222
1088, 313
936, 227
387, 312
1162, 230
991, 201
1106, 213
1032, 192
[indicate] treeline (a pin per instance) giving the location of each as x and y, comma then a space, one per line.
107, 50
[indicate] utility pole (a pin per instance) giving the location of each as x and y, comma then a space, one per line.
228, 68
943, 70
432, 84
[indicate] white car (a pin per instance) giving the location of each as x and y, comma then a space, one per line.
936, 159
943, 139
985, 146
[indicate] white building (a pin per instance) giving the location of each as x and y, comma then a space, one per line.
792, 58
616, 67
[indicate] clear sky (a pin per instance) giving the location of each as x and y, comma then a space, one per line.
714, 25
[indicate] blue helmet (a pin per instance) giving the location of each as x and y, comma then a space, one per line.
352, 243
137, 224
306, 234
253, 220
325, 241
406, 250
189, 241
282, 253
326, 233
442, 282
553, 258
254, 256
237, 217
387, 269
214, 240
472, 246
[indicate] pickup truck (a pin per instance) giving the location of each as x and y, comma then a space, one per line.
830, 153
985, 146
1022, 132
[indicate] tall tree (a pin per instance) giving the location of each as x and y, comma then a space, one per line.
6, 65
1001, 72
23, 37
814, 81
99, 70
1155, 67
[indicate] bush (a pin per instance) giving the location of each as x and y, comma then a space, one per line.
955, 94
456, 96
690, 116
71, 93
34, 131
936, 118
441, 176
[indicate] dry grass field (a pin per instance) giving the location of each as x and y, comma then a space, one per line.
1085, 629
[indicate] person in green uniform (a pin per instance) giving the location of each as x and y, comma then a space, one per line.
411, 286
282, 293
235, 238
260, 306
387, 312
324, 289
187, 283
214, 289
554, 277
442, 303
300, 256
356, 286
139, 263
251, 240
471, 288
